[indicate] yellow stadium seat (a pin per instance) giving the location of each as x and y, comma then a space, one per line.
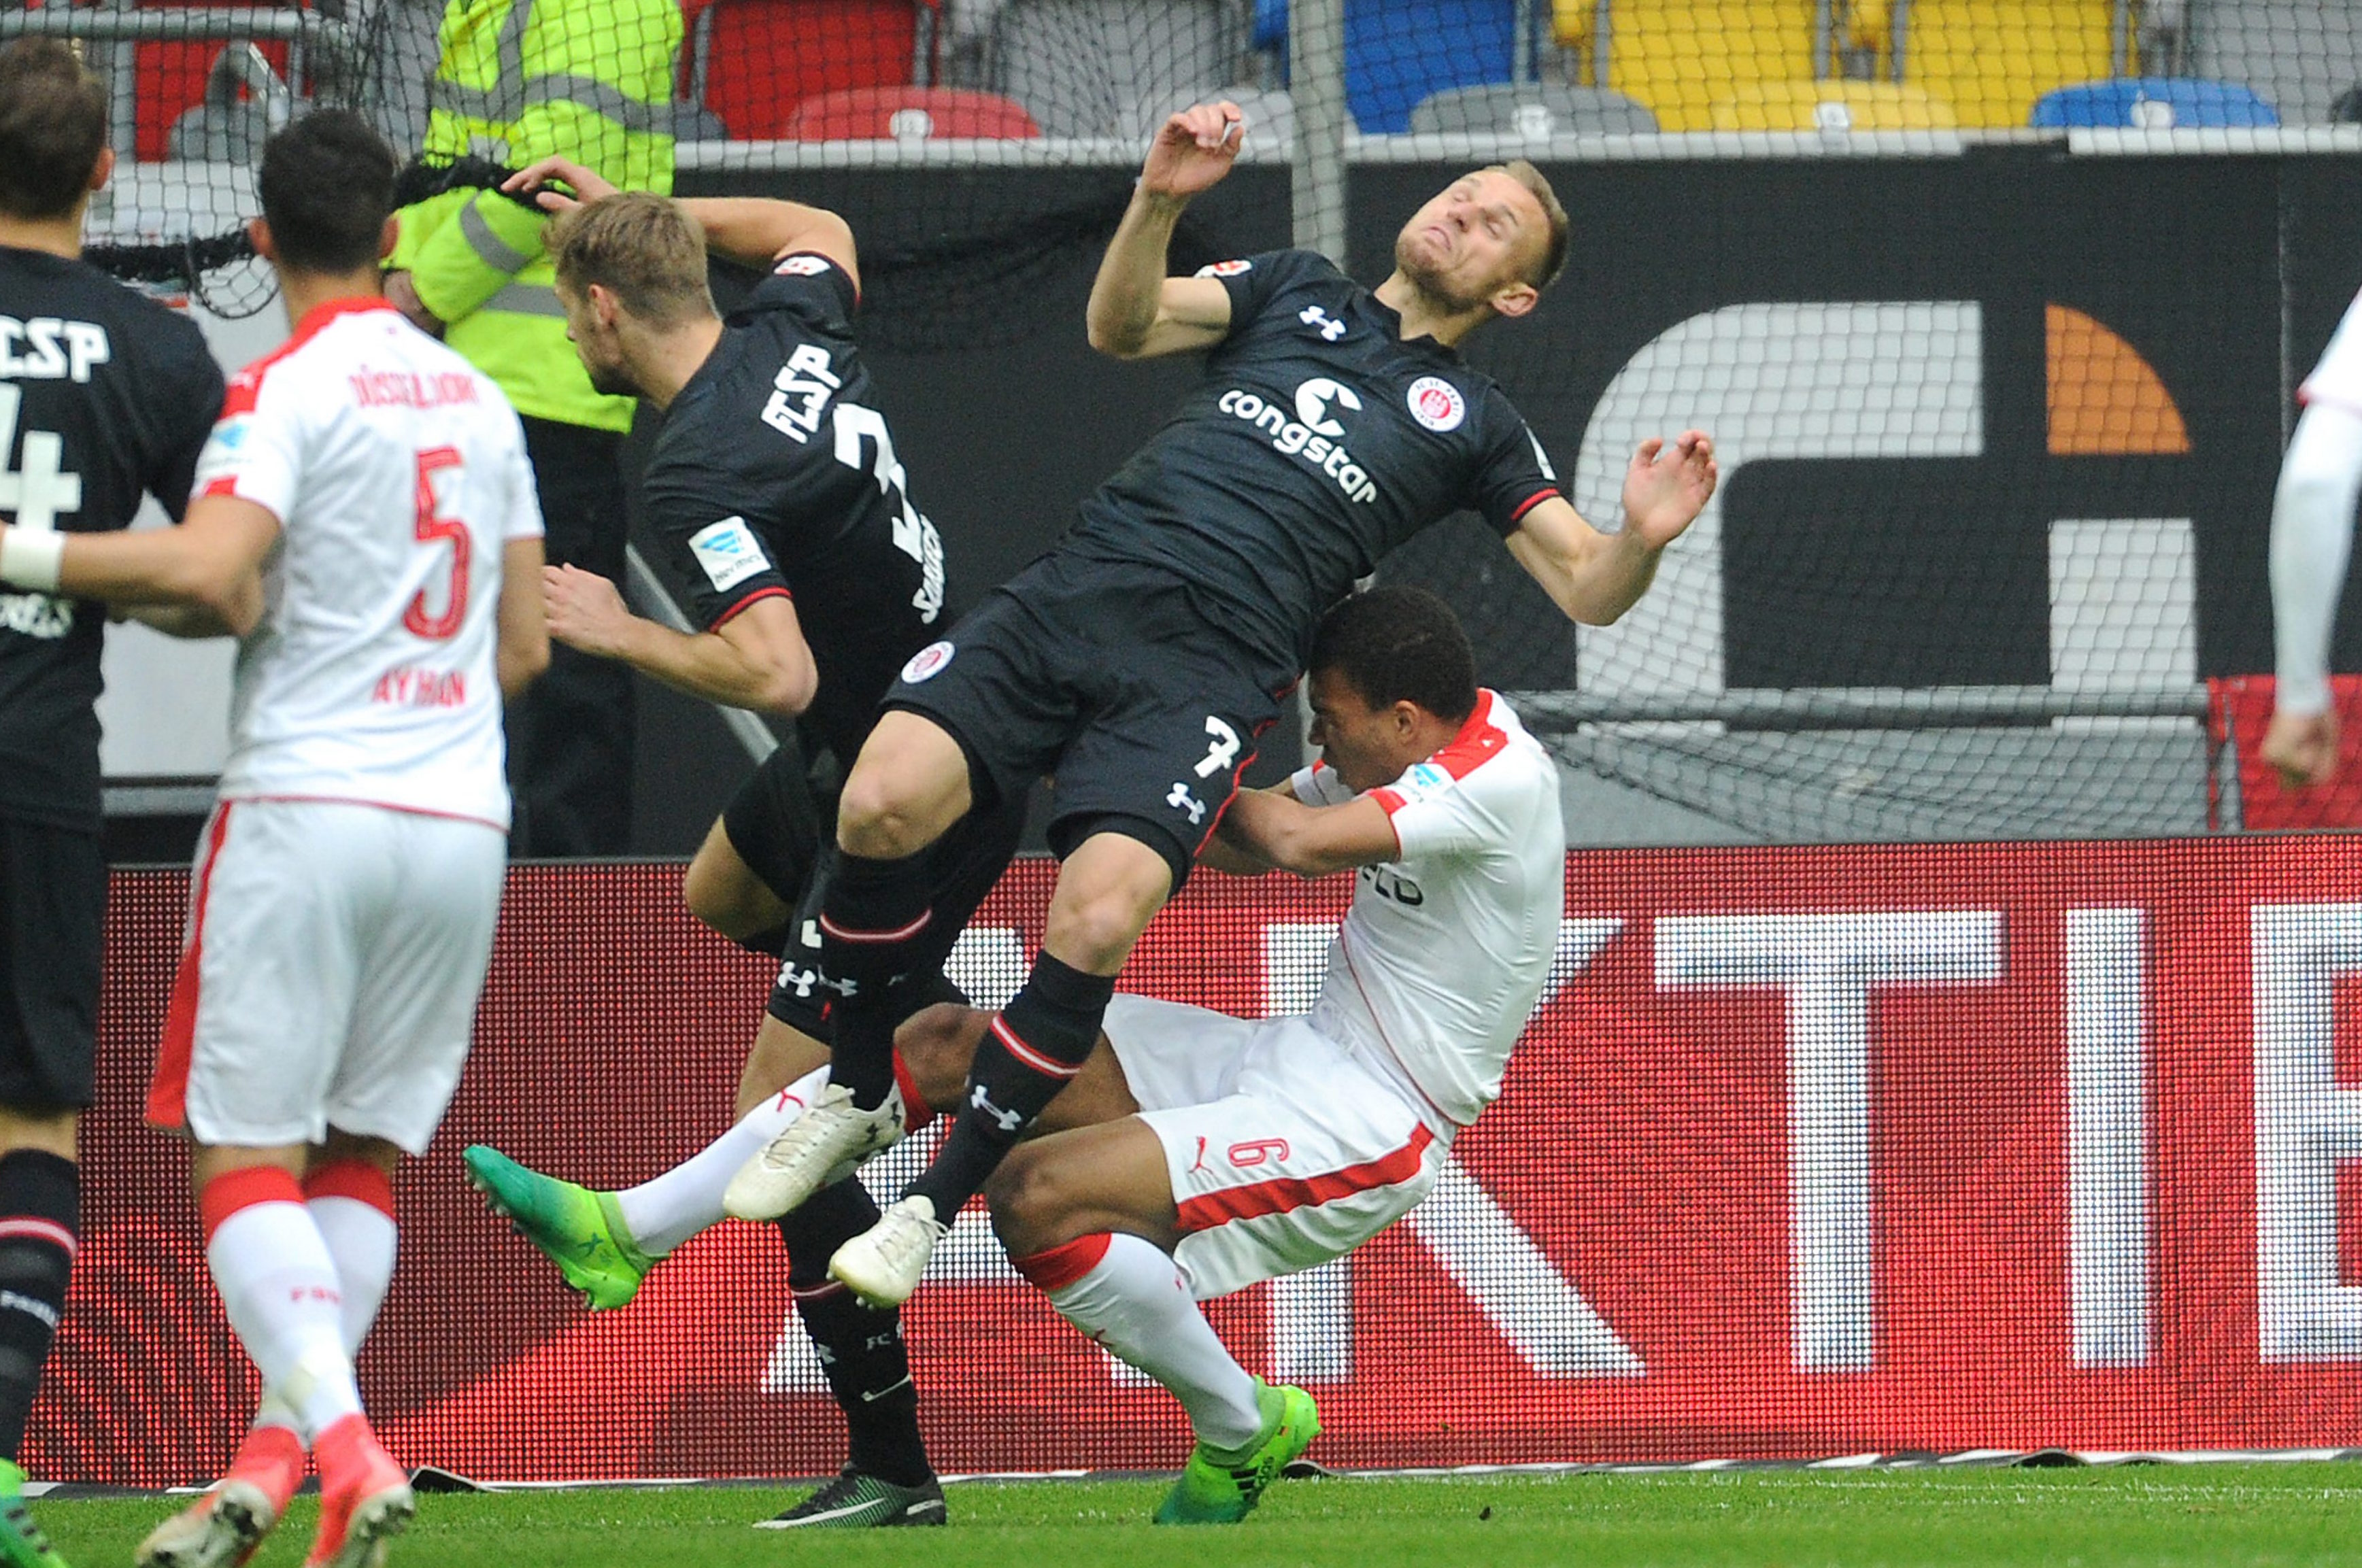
1573, 26
1682, 57
1991, 59
1831, 105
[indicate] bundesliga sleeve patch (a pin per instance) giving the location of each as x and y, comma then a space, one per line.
1225, 268
729, 553
802, 267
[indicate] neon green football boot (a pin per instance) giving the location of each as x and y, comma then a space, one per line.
581, 1230
22, 1543
1217, 1487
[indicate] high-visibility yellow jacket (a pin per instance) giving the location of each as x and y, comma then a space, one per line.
520, 80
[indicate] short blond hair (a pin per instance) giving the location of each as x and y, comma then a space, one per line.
1537, 185
639, 247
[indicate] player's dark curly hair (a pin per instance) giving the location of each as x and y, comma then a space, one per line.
52, 124
1393, 645
326, 184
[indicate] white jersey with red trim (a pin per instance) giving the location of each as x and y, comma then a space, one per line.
397, 473
2338, 378
1444, 952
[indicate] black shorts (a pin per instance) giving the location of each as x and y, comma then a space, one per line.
53, 903
778, 822
1113, 682
963, 865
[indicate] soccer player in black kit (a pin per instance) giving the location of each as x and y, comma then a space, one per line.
774, 489
105, 396
1139, 661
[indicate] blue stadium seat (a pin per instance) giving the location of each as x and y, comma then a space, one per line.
1398, 52
2152, 102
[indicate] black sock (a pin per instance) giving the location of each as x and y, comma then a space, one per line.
1032, 1050
41, 1197
871, 923
860, 1350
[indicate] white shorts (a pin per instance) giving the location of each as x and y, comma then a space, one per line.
329, 974
1285, 1151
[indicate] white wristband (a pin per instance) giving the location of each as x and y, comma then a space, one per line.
30, 559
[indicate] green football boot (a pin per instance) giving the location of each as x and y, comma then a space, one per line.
22, 1543
855, 1501
582, 1231
1217, 1487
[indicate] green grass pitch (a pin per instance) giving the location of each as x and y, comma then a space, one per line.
2210, 1514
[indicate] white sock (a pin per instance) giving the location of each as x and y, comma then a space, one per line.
285, 1303
1134, 1301
362, 1241
668, 1210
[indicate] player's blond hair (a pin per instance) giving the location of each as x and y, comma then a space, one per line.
1552, 260
639, 247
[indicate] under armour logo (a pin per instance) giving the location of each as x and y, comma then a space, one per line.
1180, 800
1330, 328
802, 981
1009, 1120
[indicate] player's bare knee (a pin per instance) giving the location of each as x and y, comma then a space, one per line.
1094, 930
1030, 1201
878, 816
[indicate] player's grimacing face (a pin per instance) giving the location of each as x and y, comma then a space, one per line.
1474, 238
1363, 745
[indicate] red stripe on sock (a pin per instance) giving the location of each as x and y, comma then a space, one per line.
24, 1227
232, 1190
1048, 1066
916, 1111
1062, 1266
356, 1179
903, 933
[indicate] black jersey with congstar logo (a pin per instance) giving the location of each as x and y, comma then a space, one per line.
105, 396
1318, 441
775, 474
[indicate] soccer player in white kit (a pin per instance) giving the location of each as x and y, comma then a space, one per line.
1195, 1154
365, 518
2312, 534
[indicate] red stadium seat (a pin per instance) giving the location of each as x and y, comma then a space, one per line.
760, 59
907, 114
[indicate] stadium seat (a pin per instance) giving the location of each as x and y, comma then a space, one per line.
1270, 113
1682, 57
755, 61
1991, 60
1831, 106
1398, 52
1081, 67
2298, 55
1533, 110
907, 114
2152, 102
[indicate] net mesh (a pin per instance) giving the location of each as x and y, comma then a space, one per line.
1991, 433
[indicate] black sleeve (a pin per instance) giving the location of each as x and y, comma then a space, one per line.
810, 287
1255, 281
709, 547
187, 408
1513, 474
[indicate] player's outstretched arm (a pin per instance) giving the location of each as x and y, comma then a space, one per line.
757, 659
1136, 311
1311, 841
755, 230
211, 562
1594, 576
2312, 537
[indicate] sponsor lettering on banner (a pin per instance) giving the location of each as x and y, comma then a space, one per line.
1806, 1152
